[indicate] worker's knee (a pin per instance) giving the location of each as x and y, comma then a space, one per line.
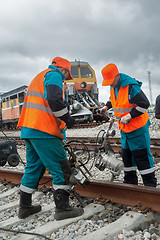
141, 159
127, 157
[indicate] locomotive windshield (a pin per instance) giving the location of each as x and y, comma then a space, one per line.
86, 72
74, 71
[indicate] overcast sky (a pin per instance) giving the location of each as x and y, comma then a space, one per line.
125, 32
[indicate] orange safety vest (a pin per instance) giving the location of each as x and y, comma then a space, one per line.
36, 112
122, 107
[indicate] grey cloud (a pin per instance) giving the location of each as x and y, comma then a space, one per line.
97, 31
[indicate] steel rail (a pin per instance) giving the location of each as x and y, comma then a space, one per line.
153, 141
155, 150
117, 140
114, 140
144, 197
131, 195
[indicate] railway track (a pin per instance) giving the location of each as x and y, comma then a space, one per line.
126, 194
140, 199
76, 126
43, 225
91, 143
88, 125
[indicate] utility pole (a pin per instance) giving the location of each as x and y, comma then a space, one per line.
150, 90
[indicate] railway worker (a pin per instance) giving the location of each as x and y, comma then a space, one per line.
129, 104
43, 117
157, 107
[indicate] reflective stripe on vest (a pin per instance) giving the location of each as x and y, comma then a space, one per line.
122, 106
42, 107
122, 111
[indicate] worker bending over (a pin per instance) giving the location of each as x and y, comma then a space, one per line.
129, 104
43, 118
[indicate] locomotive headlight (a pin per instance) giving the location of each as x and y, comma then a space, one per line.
83, 84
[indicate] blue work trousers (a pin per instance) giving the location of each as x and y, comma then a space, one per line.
41, 154
136, 152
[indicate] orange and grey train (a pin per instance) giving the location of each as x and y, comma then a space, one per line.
82, 92
11, 105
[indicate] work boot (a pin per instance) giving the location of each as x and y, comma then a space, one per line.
130, 177
63, 209
25, 207
149, 179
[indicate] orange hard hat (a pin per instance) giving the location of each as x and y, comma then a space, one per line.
64, 63
109, 72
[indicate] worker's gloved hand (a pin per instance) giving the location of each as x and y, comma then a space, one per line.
102, 110
71, 121
126, 119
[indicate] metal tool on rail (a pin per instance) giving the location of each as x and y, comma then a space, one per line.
104, 155
80, 173
78, 160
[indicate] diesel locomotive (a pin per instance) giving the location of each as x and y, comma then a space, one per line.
82, 92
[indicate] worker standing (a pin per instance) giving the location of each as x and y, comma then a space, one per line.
157, 107
129, 104
42, 121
